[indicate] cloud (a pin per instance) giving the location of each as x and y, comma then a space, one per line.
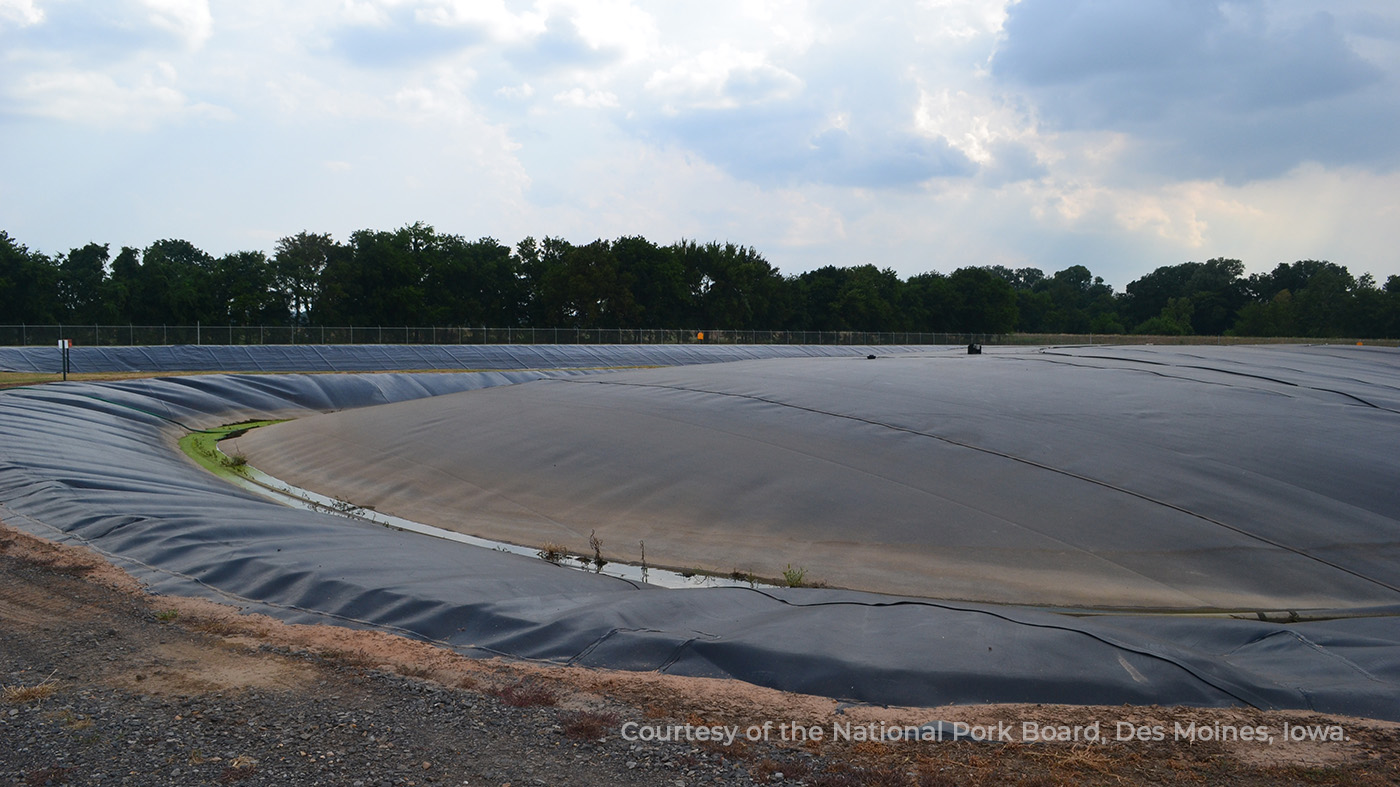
923, 135
521, 92
400, 36
587, 99
1206, 89
103, 32
188, 20
98, 99
561, 46
723, 77
785, 145
19, 13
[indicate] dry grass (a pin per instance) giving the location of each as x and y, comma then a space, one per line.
588, 725
553, 552
525, 694
20, 695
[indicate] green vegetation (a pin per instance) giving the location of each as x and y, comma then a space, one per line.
794, 577
203, 447
418, 276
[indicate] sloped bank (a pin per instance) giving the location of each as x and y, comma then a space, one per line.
96, 464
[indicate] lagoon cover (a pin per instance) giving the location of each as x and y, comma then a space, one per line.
1291, 429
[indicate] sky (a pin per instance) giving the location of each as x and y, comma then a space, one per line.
1122, 135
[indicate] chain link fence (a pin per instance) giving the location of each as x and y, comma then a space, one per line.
145, 335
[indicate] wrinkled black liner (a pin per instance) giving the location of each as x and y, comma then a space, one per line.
401, 357
96, 464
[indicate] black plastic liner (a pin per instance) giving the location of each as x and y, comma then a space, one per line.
96, 464
1007, 478
404, 357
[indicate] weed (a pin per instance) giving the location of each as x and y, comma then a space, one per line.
239, 768
744, 576
596, 544
794, 577
525, 695
167, 615
22, 694
552, 552
238, 461
588, 725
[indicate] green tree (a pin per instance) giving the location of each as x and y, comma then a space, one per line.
1214, 289
1173, 320
174, 284
927, 303
588, 290
81, 276
28, 291
981, 302
248, 290
298, 261
121, 281
472, 283
862, 298
735, 288
377, 278
1276, 317
658, 283
1076, 298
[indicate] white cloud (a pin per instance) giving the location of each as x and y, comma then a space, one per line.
820, 132
98, 99
187, 19
611, 25
19, 13
971, 122
442, 97
587, 99
520, 92
965, 19
723, 78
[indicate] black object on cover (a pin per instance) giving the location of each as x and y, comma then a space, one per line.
92, 463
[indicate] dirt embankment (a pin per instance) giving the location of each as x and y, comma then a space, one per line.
104, 684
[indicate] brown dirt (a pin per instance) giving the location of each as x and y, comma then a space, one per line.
162, 649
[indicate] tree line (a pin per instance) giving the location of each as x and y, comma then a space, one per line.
416, 275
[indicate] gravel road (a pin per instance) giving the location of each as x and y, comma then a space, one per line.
106, 685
